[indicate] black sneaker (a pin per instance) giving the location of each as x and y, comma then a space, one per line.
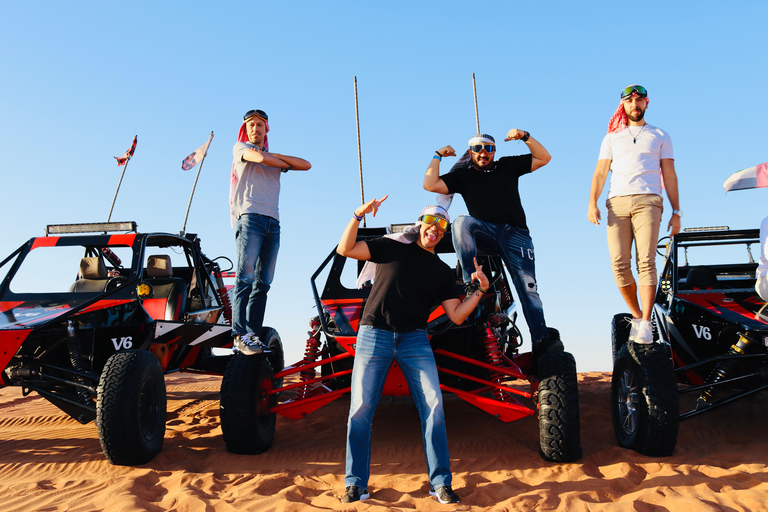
354, 493
445, 494
550, 343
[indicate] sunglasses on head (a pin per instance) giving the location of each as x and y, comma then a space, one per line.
639, 89
431, 219
257, 112
476, 148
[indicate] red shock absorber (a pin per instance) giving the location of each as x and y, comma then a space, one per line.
493, 357
311, 353
226, 305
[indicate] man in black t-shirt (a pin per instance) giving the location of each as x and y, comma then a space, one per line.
410, 280
496, 221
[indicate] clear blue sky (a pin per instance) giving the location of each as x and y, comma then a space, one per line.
81, 79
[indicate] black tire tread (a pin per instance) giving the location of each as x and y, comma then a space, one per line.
620, 326
559, 424
246, 429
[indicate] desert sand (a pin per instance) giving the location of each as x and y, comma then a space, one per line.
49, 462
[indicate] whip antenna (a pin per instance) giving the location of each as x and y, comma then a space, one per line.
474, 90
359, 151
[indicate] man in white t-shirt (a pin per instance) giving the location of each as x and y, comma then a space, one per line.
639, 155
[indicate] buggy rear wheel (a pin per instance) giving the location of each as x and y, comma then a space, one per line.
559, 429
247, 424
644, 400
131, 407
620, 326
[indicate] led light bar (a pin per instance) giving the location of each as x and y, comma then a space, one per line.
92, 227
710, 228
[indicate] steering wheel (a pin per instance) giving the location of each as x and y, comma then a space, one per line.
115, 282
658, 251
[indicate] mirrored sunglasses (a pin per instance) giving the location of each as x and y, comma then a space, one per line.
257, 112
476, 148
639, 89
431, 219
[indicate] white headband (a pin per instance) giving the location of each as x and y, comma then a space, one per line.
481, 138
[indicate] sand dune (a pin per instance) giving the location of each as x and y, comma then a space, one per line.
50, 462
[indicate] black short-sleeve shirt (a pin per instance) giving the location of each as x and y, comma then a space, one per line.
492, 195
409, 281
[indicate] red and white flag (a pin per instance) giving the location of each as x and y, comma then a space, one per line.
193, 159
122, 160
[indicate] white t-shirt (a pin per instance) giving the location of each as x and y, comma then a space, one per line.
636, 153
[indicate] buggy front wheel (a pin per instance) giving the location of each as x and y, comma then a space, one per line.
559, 429
644, 400
131, 407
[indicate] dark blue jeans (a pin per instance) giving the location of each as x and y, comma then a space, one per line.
515, 247
257, 240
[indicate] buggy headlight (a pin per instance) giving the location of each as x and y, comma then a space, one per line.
144, 291
765, 341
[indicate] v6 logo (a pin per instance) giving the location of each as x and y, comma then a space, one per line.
124, 342
702, 332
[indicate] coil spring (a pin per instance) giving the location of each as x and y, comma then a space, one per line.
493, 357
226, 305
723, 368
311, 353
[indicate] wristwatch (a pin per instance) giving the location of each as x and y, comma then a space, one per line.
679, 213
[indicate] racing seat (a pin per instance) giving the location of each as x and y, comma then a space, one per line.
700, 278
92, 276
170, 293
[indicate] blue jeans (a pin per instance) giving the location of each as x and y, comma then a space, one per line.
257, 240
374, 353
515, 247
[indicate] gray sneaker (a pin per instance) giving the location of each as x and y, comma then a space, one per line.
445, 494
633, 327
248, 344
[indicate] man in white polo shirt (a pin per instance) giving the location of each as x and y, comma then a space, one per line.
639, 156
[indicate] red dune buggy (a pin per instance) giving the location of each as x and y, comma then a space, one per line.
478, 361
91, 322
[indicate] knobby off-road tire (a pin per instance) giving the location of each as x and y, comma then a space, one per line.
620, 327
559, 429
644, 400
131, 407
276, 358
247, 424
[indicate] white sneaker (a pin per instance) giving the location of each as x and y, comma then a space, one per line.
248, 344
634, 325
644, 333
